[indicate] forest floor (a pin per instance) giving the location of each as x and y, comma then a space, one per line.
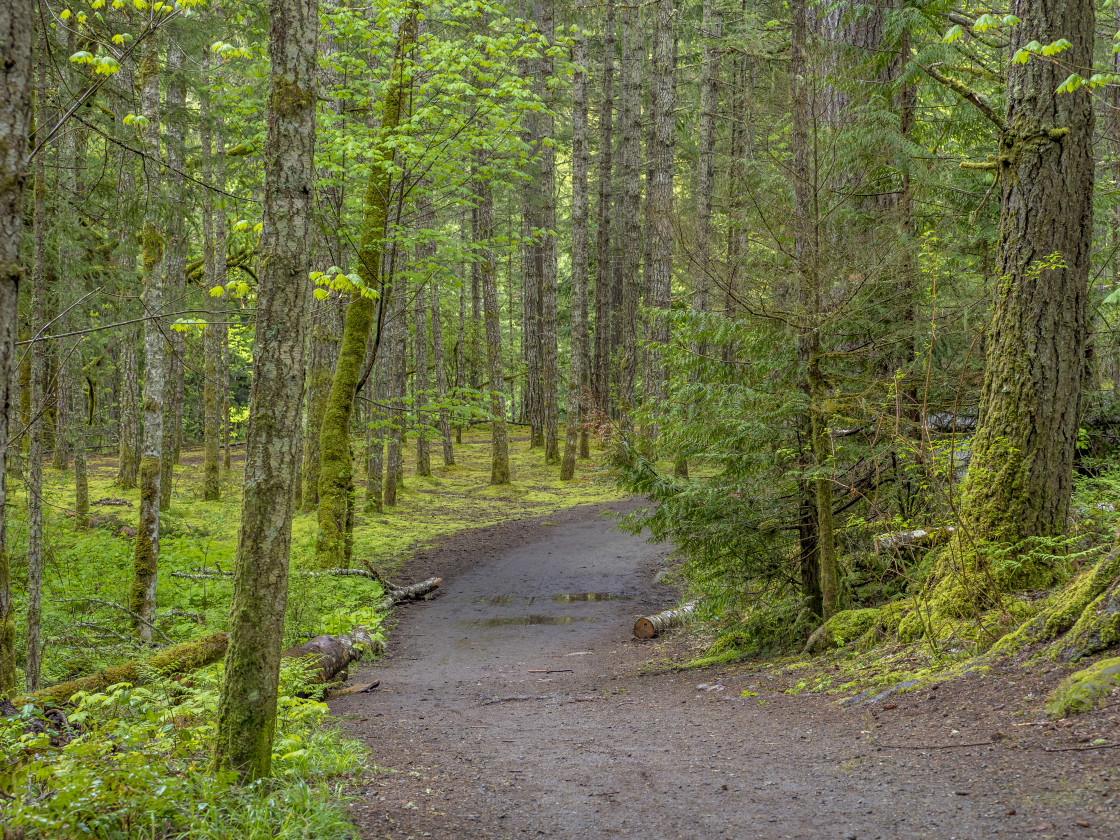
517, 704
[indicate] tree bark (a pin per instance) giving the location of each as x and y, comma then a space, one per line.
247, 709
17, 33
629, 211
425, 258
142, 597
576, 373
712, 26
176, 281
600, 377
441, 376
1021, 475
659, 203
499, 437
807, 256
39, 420
214, 274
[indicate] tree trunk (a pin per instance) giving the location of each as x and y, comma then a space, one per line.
214, 274
38, 390
629, 211
659, 204
247, 709
807, 256
712, 26
441, 376
326, 333
176, 269
550, 363
127, 448
600, 377
375, 454
425, 257
336, 471
499, 438
1021, 474
576, 374
17, 33
142, 597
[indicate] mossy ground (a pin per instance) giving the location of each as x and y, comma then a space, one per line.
84, 635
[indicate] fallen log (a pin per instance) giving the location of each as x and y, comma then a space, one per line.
177, 659
654, 625
918, 538
328, 657
408, 593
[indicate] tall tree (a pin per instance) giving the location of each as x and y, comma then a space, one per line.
600, 377
17, 31
659, 203
250, 681
142, 597
336, 471
1021, 474
629, 209
499, 437
579, 350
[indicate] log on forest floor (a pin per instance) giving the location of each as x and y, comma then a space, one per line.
919, 538
328, 657
177, 659
655, 625
423, 589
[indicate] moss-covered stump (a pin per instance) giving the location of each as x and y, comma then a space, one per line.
178, 659
1082, 691
842, 629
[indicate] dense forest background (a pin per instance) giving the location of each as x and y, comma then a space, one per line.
796, 268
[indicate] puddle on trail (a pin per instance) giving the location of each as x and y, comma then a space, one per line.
505, 621
559, 598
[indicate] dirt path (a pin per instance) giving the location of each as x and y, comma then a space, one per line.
517, 705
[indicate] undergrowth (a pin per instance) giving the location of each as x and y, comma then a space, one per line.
132, 762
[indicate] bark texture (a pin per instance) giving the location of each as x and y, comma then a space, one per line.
629, 211
142, 597
600, 377
499, 437
1021, 474
579, 349
247, 709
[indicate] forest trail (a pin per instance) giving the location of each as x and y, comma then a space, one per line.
518, 705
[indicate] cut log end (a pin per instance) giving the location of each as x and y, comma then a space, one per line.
654, 625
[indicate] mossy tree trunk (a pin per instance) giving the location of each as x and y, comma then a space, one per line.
1021, 474
336, 457
425, 257
250, 683
499, 437
579, 352
375, 447
142, 595
397, 337
17, 25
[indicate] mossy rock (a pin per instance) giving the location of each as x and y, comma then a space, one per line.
1081, 692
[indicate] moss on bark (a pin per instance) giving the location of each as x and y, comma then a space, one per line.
1082, 691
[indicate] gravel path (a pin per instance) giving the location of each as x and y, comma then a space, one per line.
517, 705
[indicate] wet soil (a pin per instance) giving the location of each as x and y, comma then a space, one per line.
517, 704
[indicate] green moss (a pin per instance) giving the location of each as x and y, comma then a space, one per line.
1080, 692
